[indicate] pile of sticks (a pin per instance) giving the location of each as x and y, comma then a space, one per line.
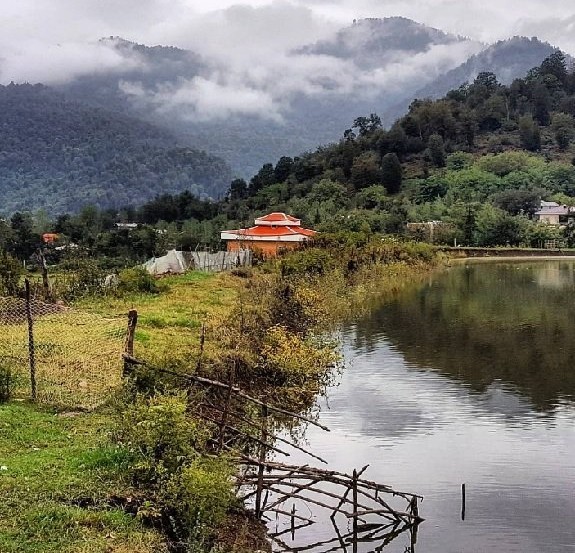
370, 507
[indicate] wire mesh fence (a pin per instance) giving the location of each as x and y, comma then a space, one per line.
57, 355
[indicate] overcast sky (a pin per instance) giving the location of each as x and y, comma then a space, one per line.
50, 41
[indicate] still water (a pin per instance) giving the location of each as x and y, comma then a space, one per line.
468, 378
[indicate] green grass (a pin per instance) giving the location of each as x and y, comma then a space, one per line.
169, 323
48, 461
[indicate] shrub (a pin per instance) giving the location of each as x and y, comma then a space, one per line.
165, 445
10, 273
137, 279
308, 262
201, 494
6, 382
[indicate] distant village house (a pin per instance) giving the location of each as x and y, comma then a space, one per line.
555, 214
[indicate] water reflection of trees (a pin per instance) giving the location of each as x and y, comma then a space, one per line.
481, 324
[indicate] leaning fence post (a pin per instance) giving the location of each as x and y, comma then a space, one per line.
129, 345
31, 348
224, 420
262, 461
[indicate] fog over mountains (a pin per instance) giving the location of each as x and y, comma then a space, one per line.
253, 106
252, 114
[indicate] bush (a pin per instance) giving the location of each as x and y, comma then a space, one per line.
10, 273
308, 262
165, 445
160, 435
6, 383
201, 494
137, 279
85, 278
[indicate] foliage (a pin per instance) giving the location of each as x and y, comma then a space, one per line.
6, 381
10, 273
137, 279
563, 128
166, 446
61, 155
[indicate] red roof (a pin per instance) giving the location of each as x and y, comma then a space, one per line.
272, 225
278, 218
271, 231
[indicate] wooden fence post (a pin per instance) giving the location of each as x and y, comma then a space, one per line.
262, 460
129, 345
31, 347
45, 280
224, 420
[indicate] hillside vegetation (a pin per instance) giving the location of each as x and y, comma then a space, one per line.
479, 160
61, 155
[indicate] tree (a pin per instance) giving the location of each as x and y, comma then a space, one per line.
563, 129
436, 150
25, 241
497, 228
516, 202
555, 65
391, 173
238, 189
541, 104
366, 171
367, 125
283, 168
529, 133
264, 177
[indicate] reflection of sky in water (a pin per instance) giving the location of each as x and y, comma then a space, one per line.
425, 433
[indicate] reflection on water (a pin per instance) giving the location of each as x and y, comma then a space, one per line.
467, 379
488, 324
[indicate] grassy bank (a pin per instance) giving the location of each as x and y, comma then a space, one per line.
267, 327
58, 473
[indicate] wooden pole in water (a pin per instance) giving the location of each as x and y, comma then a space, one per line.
355, 509
293, 522
262, 461
462, 501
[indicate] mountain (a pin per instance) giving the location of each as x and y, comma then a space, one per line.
508, 59
373, 42
366, 67
59, 155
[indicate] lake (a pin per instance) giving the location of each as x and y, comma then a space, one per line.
466, 378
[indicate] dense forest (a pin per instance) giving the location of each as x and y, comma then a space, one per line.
478, 160
61, 155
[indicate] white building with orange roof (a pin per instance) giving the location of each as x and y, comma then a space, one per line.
269, 234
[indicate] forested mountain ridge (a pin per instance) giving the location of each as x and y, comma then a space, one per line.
371, 42
508, 59
373, 65
478, 160
358, 72
60, 155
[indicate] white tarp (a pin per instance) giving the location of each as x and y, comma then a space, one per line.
177, 262
174, 262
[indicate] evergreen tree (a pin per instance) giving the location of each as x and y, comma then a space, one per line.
391, 172
436, 150
529, 134
563, 129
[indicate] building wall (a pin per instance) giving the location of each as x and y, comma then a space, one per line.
266, 247
551, 219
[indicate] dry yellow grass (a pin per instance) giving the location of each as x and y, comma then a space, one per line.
78, 350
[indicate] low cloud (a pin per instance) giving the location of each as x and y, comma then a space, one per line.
200, 99
250, 46
53, 64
